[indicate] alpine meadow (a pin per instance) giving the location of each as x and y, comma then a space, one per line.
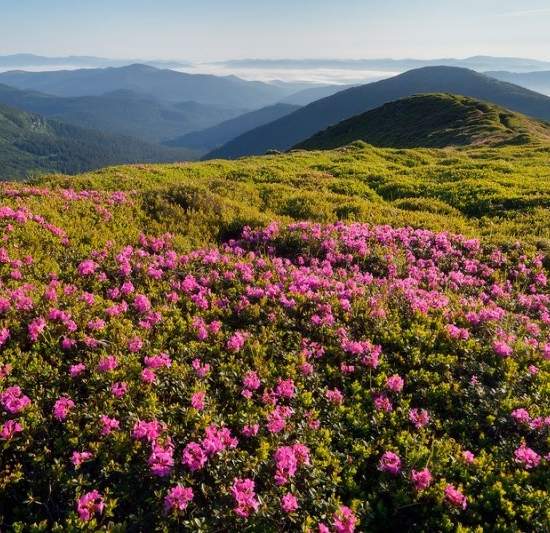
291, 293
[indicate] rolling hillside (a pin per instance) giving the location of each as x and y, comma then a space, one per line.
432, 120
121, 112
302, 124
31, 144
215, 136
163, 84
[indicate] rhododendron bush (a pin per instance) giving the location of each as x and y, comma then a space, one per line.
330, 378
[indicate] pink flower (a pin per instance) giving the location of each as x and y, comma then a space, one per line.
62, 408
245, 497
197, 400
527, 457
285, 388
90, 504
108, 425
237, 341
178, 499
251, 380
142, 304
35, 328
87, 267
135, 344
200, 369
383, 403
468, 456
390, 462
161, 460
455, 497
334, 396
13, 400
144, 430
80, 457
9, 429
158, 361
395, 383
119, 389
521, 416
289, 503
107, 364
419, 417
77, 370
344, 521
148, 376
250, 430
502, 349
193, 456
421, 479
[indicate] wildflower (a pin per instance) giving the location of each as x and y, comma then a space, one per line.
62, 408
197, 400
421, 479
78, 458
344, 521
108, 425
119, 389
527, 457
87, 267
90, 504
390, 462
395, 383
455, 497
178, 498
107, 364
334, 396
9, 429
245, 497
289, 503
77, 369
148, 376
194, 456
468, 456
13, 400
419, 417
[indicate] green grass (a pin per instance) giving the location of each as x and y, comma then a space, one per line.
501, 194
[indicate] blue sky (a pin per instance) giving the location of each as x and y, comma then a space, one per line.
221, 29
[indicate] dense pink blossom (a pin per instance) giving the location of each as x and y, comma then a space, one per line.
89, 505
344, 520
13, 400
9, 429
421, 479
527, 457
289, 503
62, 407
245, 497
455, 497
178, 498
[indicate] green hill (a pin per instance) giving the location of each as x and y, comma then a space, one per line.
432, 120
305, 122
31, 144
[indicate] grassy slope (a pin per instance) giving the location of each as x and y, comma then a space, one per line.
432, 120
30, 144
500, 193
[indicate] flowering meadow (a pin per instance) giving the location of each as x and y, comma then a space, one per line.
296, 377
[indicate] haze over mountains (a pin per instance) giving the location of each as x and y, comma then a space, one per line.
305, 122
122, 111
536, 81
163, 84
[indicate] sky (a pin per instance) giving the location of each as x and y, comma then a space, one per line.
206, 30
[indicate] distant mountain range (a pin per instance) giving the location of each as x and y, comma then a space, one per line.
290, 130
536, 81
210, 138
122, 112
162, 84
432, 120
306, 96
36, 61
31, 144
480, 63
